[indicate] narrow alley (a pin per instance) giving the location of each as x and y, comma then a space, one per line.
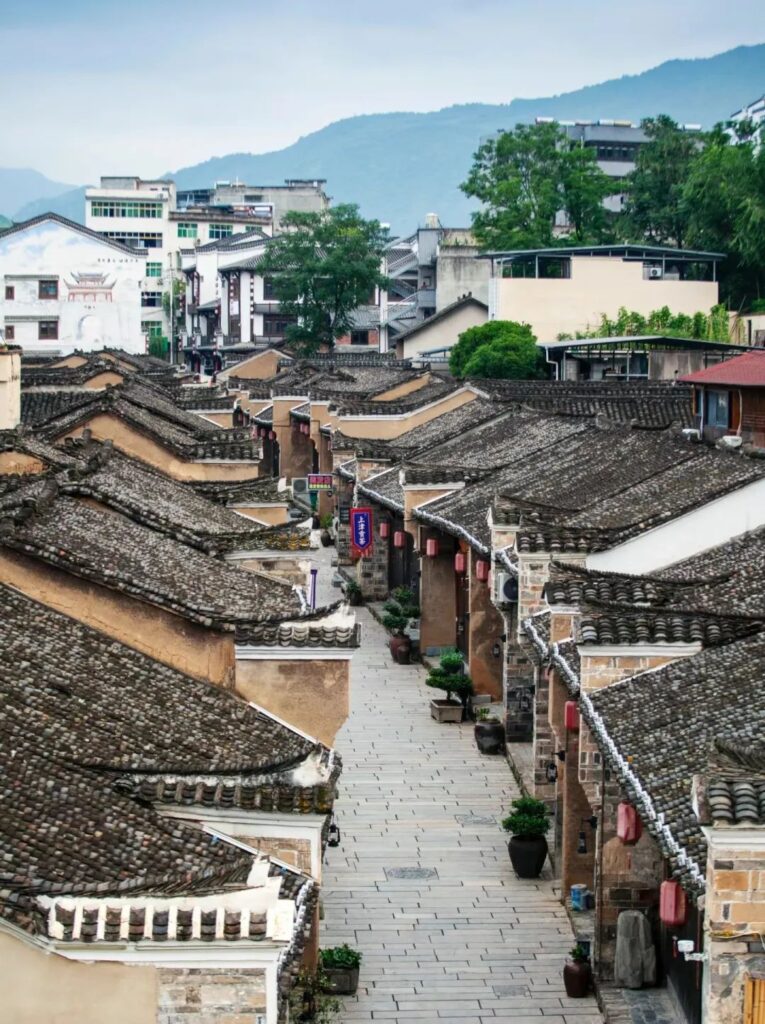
421, 883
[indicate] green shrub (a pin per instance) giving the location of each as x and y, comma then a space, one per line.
579, 954
340, 956
450, 676
529, 818
399, 610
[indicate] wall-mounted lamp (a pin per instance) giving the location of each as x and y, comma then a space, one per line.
581, 846
333, 834
496, 649
561, 755
551, 771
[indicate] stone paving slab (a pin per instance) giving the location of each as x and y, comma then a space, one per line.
469, 942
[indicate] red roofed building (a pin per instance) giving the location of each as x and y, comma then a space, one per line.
729, 398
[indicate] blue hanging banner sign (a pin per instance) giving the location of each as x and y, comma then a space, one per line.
361, 530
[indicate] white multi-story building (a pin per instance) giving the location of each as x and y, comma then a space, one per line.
65, 287
754, 112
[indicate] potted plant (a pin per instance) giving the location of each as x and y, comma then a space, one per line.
326, 522
577, 973
528, 823
450, 676
340, 967
353, 592
398, 613
489, 732
309, 1002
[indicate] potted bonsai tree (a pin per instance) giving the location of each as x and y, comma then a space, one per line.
489, 732
398, 613
340, 969
528, 823
450, 676
326, 537
353, 592
577, 973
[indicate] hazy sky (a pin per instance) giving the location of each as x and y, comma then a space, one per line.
90, 87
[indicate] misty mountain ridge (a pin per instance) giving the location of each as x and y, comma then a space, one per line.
400, 166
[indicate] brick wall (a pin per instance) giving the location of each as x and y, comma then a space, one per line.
199, 996
544, 740
372, 569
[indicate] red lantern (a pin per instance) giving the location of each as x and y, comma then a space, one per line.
571, 716
482, 570
398, 539
431, 547
460, 563
271, 435
672, 905
384, 530
629, 827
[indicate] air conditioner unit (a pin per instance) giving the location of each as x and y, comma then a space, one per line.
655, 272
506, 588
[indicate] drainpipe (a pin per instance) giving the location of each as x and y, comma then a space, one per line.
552, 362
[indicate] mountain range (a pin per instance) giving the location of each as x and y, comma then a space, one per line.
400, 166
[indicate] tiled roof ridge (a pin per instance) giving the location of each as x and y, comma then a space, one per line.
731, 756
596, 607
560, 569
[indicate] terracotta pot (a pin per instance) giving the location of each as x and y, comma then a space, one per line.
446, 710
401, 648
326, 538
528, 855
576, 978
490, 737
341, 981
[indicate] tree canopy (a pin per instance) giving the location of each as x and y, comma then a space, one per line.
499, 349
526, 179
323, 266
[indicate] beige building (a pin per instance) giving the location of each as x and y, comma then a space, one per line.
568, 290
432, 339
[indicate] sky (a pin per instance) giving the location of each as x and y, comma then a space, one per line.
91, 87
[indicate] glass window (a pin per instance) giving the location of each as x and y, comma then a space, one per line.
10, 292
151, 327
718, 408
221, 230
359, 337
154, 270
153, 299
47, 289
10, 332
124, 208
269, 289
187, 230
47, 330
136, 239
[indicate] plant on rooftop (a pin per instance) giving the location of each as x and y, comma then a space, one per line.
712, 326
499, 349
324, 266
449, 676
527, 823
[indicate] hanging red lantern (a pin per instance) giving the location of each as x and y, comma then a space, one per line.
431, 547
673, 909
629, 827
482, 570
271, 435
398, 539
384, 530
571, 716
460, 563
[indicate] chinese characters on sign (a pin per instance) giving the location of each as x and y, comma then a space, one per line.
319, 481
361, 530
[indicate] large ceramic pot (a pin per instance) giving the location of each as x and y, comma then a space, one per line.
326, 538
401, 648
528, 855
341, 981
576, 977
446, 710
490, 737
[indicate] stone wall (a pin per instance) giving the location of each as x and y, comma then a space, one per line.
372, 569
199, 996
486, 628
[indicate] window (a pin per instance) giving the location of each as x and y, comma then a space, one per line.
47, 330
10, 293
154, 270
10, 332
269, 289
153, 328
137, 239
718, 408
186, 229
275, 326
153, 299
359, 337
221, 230
47, 289
253, 197
124, 208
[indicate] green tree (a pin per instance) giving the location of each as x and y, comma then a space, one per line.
324, 265
525, 177
724, 196
499, 349
655, 210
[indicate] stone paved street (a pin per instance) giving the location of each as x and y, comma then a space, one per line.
422, 882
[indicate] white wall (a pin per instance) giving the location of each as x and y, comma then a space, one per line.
49, 249
704, 528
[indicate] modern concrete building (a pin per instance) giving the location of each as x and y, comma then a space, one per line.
567, 290
65, 287
269, 201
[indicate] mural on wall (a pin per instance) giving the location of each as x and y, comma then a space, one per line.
89, 286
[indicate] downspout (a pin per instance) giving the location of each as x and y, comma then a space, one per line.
552, 362
599, 887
